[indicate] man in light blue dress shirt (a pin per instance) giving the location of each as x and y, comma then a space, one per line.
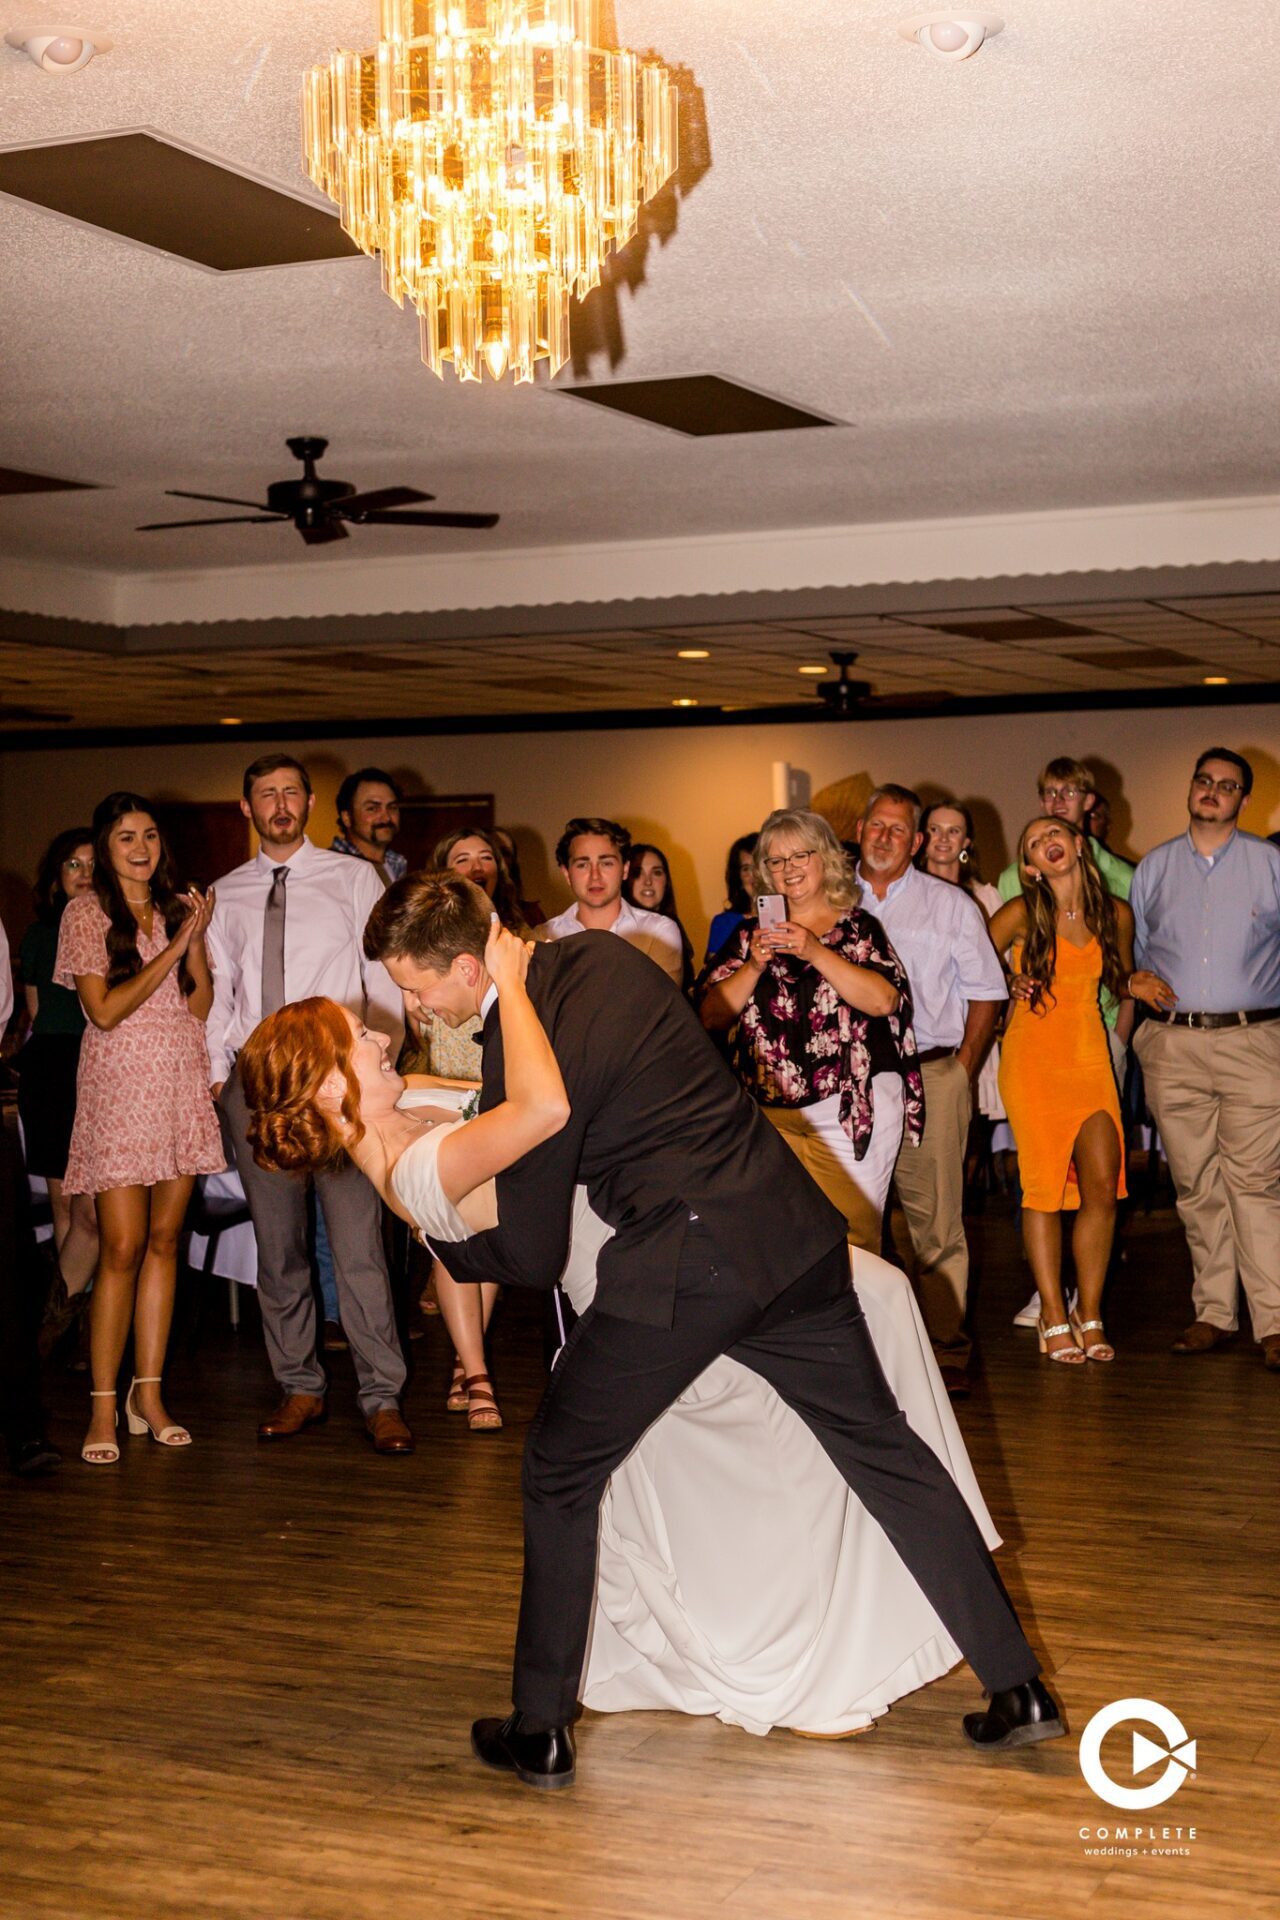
939, 932
1206, 909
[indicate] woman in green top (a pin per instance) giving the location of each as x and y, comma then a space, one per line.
47, 1069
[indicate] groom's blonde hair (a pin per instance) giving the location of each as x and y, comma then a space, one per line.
429, 918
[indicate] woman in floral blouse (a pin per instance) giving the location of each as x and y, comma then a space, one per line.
823, 1013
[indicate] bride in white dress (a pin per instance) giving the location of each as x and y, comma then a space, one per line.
738, 1575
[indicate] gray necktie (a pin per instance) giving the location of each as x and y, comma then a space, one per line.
273, 945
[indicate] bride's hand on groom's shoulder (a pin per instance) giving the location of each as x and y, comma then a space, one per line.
506, 958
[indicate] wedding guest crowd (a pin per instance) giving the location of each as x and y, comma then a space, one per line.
869, 995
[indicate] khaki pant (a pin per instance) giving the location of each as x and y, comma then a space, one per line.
857, 1187
1215, 1097
930, 1183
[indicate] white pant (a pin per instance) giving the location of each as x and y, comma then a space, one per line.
857, 1187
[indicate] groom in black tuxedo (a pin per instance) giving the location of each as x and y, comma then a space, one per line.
722, 1244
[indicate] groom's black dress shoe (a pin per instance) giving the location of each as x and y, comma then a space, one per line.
543, 1759
1017, 1717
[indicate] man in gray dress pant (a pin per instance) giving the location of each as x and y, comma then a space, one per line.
289, 924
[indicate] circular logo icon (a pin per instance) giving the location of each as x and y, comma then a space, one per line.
1178, 1752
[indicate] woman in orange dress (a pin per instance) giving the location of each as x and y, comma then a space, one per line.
1069, 939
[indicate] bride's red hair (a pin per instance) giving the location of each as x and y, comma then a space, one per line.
283, 1065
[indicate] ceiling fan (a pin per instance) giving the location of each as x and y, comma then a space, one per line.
843, 696
318, 507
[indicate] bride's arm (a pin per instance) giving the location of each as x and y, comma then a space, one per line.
536, 1106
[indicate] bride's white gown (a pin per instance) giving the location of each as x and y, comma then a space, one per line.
738, 1574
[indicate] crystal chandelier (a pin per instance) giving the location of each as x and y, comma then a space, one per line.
491, 153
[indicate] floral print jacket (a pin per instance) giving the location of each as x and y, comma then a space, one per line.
799, 1042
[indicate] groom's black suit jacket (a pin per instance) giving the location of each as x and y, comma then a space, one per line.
659, 1129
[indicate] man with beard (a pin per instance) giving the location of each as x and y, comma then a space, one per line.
368, 810
289, 924
1206, 911
939, 932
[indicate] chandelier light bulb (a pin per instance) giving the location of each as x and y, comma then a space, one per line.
58, 49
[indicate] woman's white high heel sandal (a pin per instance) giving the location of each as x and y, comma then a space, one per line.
137, 1423
1070, 1356
101, 1453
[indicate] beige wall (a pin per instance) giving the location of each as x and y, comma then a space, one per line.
690, 790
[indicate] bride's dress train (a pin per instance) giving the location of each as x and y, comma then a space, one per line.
738, 1575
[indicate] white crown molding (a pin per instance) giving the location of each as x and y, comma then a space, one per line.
1079, 540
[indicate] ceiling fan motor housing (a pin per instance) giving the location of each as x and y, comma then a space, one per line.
306, 498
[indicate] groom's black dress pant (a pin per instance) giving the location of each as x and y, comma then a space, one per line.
811, 1344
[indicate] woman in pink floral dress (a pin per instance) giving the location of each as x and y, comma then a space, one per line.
134, 949
823, 1013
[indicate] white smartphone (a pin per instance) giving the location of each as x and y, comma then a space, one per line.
772, 911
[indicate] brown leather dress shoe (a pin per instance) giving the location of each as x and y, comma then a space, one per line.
1201, 1337
296, 1411
388, 1432
1270, 1344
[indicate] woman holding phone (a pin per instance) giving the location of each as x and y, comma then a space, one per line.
823, 1013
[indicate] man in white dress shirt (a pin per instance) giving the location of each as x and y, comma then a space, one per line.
957, 988
289, 924
594, 855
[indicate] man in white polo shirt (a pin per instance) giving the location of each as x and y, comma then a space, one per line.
593, 855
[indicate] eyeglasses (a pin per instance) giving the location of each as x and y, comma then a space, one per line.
781, 861
1061, 793
1203, 784
78, 866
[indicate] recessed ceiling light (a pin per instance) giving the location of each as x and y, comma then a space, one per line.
694, 653
951, 36
58, 49
815, 670
684, 703
1216, 680
230, 720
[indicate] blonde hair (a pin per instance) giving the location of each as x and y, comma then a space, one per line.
816, 836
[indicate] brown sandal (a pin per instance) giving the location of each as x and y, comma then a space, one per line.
484, 1418
457, 1401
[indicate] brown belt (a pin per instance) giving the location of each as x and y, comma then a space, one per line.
931, 1054
1251, 1017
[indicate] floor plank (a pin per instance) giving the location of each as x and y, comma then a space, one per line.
239, 1678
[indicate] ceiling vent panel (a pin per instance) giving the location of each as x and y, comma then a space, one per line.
159, 195
699, 404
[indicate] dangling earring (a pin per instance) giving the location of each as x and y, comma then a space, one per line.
964, 856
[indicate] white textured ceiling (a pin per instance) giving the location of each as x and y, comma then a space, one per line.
1039, 279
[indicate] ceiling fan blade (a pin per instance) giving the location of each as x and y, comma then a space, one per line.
219, 499
429, 519
321, 536
362, 503
231, 520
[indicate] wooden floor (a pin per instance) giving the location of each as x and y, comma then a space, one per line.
238, 1680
